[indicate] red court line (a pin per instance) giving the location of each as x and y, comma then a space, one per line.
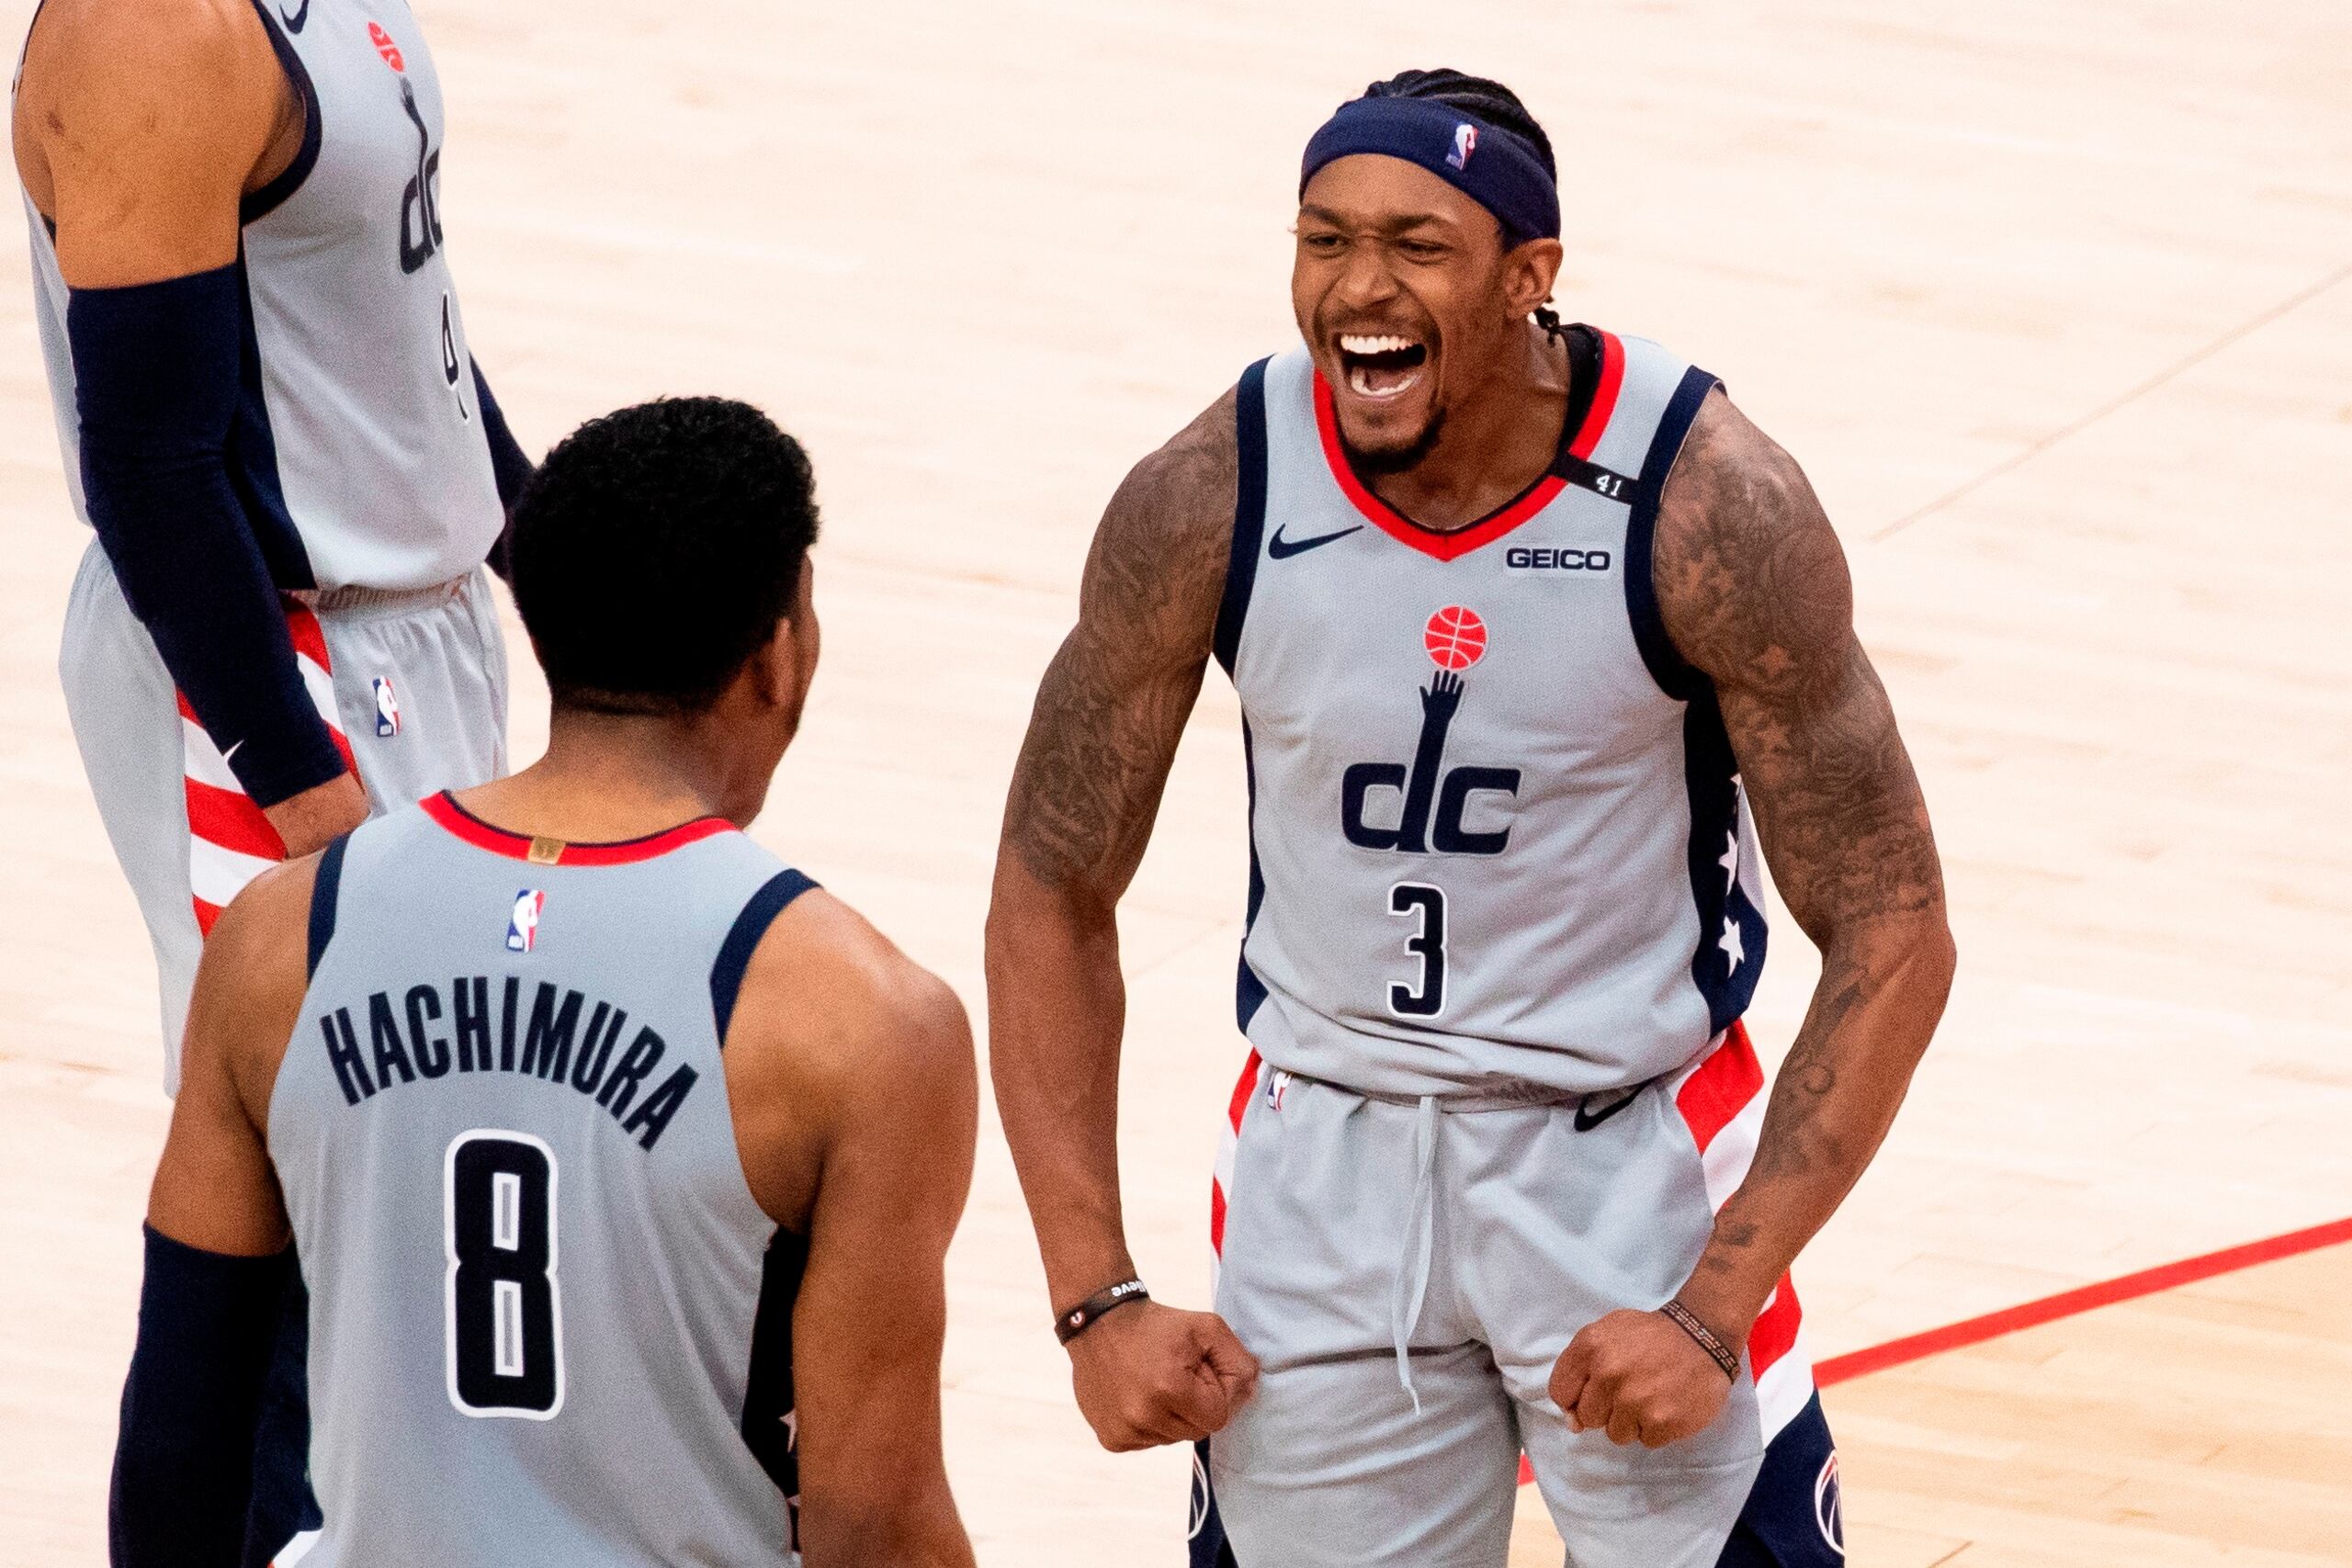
2087, 1298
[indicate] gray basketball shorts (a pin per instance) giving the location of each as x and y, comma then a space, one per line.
1406, 1273
415, 683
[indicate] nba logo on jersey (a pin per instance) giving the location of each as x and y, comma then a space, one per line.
1466, 138
387, 709
522, 924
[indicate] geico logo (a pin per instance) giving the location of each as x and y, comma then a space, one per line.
1523, 558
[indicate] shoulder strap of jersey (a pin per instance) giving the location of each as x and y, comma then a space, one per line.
1248, 512
1685, 389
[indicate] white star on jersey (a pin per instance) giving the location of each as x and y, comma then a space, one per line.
1731, 945
791, 1419
1730, 862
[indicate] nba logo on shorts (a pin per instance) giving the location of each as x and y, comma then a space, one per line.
1465, 139
387, 709
522, 924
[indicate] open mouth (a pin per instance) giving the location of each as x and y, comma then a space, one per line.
1382, 364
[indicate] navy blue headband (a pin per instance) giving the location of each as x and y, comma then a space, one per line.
1491, 166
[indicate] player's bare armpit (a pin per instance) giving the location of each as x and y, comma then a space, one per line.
1115, 700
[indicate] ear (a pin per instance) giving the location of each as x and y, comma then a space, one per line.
783, 666
1528, 271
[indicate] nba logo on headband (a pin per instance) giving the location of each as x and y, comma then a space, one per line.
1465, 139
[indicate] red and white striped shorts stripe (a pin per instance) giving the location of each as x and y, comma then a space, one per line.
230, 839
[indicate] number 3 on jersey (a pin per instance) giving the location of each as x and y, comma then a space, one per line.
503, 1316
1424, 996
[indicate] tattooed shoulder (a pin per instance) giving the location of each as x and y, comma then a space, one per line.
1158, 554
1750, 579
1754, 593
1112, 704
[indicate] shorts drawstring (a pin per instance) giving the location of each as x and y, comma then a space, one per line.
1420, 1240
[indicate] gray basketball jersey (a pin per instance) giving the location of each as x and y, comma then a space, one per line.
1496, 832
357, 445
549, 1321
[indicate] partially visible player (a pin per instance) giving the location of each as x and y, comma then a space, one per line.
622, 1160
291, 465
1523, 618
273, 426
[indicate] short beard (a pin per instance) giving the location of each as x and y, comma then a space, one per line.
1396, 461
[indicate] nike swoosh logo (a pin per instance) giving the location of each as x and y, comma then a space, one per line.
1281, 548
1588, 1118
294, 23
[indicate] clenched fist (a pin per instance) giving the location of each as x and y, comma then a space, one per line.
1637, 1376
1149, 1374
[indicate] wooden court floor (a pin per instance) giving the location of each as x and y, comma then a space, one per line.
2053, 301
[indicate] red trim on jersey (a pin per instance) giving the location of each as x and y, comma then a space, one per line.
308, 637
444, 808
1444, 546
1774, 1332
1234, 1110
1604, 397
1241, 1088
1722, 1087
231, 820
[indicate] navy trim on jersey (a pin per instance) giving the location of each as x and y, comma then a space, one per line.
1249, 513
1709, 769
1674, 674
768, 1399
324, 888
1249, 991
263, 202
743, 939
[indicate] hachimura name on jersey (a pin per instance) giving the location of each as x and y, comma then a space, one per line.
421, 1037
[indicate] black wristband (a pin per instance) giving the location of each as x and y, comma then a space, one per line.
1068, 1325
1704, 1338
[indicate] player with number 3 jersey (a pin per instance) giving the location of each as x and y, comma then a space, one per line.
1535, 638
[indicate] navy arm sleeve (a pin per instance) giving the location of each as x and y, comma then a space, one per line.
507, 463
155, 368
184, 1458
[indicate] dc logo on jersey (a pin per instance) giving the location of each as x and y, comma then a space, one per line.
1466, 137
522, 923
1431, 802
1829, 1506
387, 709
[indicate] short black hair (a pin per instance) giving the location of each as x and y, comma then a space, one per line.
1482, 96
656, 550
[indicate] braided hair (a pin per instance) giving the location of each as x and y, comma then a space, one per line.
1491, 102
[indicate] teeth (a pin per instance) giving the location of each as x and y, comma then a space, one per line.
1359, 382
1385, 344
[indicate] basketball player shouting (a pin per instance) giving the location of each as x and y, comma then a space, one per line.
623, 1197
1523, 618
272, 424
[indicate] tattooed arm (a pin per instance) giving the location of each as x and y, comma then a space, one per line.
1104, 730
1754, 591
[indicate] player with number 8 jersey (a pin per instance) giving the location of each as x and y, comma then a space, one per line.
620, 1158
